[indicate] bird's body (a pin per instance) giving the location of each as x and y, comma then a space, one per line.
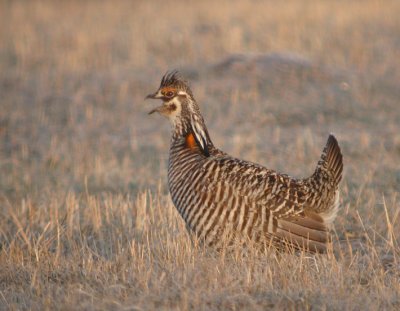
222, 198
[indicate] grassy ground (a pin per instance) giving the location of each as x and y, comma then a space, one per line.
85, 217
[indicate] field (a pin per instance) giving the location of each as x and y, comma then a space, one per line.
86, 221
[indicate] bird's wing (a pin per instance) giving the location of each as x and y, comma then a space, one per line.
271, 200
282, 195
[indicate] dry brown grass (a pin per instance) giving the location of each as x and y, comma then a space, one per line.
85, 218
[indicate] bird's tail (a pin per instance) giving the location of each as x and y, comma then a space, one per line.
311, 230
323, 184
331, 160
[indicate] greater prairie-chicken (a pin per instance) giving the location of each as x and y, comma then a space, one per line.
222, 198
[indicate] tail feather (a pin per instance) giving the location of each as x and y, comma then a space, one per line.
332, 159
311, 229
324, 200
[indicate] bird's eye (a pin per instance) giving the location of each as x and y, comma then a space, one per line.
169, 94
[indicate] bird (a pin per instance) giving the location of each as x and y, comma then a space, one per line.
223, 199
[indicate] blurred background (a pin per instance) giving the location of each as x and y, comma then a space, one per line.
272, 78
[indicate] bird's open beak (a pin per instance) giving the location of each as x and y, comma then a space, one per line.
156, 95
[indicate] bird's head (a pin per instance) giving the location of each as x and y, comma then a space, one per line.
176, 96
182, 110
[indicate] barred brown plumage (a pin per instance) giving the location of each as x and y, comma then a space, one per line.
222, 198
